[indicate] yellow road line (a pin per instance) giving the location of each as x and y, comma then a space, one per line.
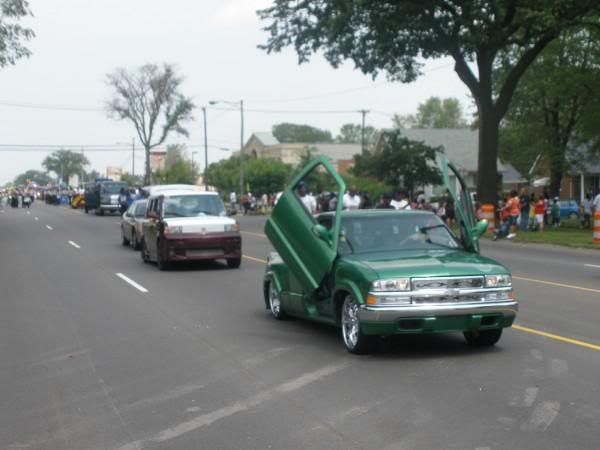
557, 337
552, 283
260, 235
251, 258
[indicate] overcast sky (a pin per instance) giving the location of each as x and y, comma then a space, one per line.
57, 96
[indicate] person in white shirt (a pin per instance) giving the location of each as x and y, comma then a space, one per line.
351, 199
596, 203
233, 200
400, 201
308, 201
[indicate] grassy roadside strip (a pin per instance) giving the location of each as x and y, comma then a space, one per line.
569, 234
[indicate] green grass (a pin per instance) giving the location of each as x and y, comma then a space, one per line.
569, 234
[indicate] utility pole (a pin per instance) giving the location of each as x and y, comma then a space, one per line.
362, 130
205, 150
133, 157
242, 149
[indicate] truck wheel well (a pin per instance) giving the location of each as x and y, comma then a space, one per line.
338, 301
266, 292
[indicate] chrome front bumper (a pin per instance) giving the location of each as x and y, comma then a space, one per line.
392, 313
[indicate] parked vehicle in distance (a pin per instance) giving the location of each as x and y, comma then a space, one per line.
381, 272
132, 222
102, 195
189, 225
157, 188
569, 208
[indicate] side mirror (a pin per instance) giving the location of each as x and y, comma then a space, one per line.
152, 215
480, 228
322, 233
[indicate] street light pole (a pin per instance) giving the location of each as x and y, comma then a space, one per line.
362, 129
205, 150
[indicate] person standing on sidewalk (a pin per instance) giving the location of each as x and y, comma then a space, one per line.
586, 210
596, 203
514, 211
540, 211
524, 200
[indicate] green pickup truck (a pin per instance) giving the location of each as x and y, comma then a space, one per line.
383, 272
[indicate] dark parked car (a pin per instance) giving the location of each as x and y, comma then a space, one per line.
132, 224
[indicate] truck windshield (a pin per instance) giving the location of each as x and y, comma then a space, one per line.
193, 206
112, 188
394, 233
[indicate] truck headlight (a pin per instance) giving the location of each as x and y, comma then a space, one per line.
395, 300
173, 230
232, 227
496, 281
395, 284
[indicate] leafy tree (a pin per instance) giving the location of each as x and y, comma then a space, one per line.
65, 163
401, 163
132, 180
548, 115
150, 98
351, 133
12, 34
35, 176
266, 175
263, 175
395, 36
225, 174
178, 168
440, 113
92, 175
291, 132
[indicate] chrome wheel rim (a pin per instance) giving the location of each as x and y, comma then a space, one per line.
274, 300
350, 323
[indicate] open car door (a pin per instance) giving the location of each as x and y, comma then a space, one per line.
463, 204
307, 248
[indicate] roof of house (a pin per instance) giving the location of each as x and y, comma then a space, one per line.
460, 146
265, 137
337, 152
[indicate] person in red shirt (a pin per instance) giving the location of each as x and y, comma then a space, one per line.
540, 210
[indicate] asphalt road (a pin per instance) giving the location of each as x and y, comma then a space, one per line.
194, 361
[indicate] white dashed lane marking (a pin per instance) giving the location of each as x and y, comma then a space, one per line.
74, 244
595, 266
132, 283
49, 227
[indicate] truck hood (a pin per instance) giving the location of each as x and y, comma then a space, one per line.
432, 263
200, 224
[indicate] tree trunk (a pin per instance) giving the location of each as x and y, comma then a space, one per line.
487, 167
148, 171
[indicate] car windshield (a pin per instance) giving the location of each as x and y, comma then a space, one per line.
140, 209
395, 232
193, 206
112, 188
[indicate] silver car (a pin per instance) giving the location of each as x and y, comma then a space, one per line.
132, 222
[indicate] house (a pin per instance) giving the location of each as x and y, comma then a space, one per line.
265, 145
581, 180
461, 148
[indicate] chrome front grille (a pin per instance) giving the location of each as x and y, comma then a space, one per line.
472, 282
445, 299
